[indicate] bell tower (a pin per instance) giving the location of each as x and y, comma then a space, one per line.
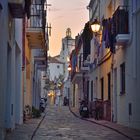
68, 32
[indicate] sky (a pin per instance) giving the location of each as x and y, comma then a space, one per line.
63, 14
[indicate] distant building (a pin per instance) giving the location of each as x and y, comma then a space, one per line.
55, 67
68, 44
55, 71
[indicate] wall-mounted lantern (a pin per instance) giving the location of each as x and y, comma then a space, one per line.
95, 26
69, 68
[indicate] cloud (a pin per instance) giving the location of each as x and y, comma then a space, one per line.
58, 17
66, 9
54, 9
78, 9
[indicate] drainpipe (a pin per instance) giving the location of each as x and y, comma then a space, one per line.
112, 74
132, 27
23, 63
83, 76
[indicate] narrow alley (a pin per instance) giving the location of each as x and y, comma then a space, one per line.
69, 69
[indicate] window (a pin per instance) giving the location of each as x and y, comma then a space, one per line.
58, 66
138, 4
130, 109
121, 20
122, 78
63, 46
92, 90
102, 88
126, 2
88, 90
12, 109
135, 5
96, 87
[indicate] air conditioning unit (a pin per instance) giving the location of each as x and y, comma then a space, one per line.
122, 39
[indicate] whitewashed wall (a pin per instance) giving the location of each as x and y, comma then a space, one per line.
55, 71
3, 64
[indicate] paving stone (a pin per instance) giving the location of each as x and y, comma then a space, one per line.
60, 124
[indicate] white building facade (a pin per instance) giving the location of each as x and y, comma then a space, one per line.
116, 79
13, 82
55, 67
11, 105
107, 65
56, 76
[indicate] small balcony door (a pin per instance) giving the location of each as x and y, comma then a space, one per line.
102, 89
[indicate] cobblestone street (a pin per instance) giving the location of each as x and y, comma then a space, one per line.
61, 124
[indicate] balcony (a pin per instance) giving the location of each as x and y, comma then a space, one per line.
83, 64
84, 68
17, 8
79, 68
40, 61
35, 30
42, 67
35, 38
39, 58
76, 77
121, 25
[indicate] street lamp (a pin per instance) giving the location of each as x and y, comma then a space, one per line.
69, 68
95, 26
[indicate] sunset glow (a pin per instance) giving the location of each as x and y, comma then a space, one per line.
65, 14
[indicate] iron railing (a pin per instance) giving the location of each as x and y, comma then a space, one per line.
121, 20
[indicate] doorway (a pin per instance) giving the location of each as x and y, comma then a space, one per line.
102, 89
